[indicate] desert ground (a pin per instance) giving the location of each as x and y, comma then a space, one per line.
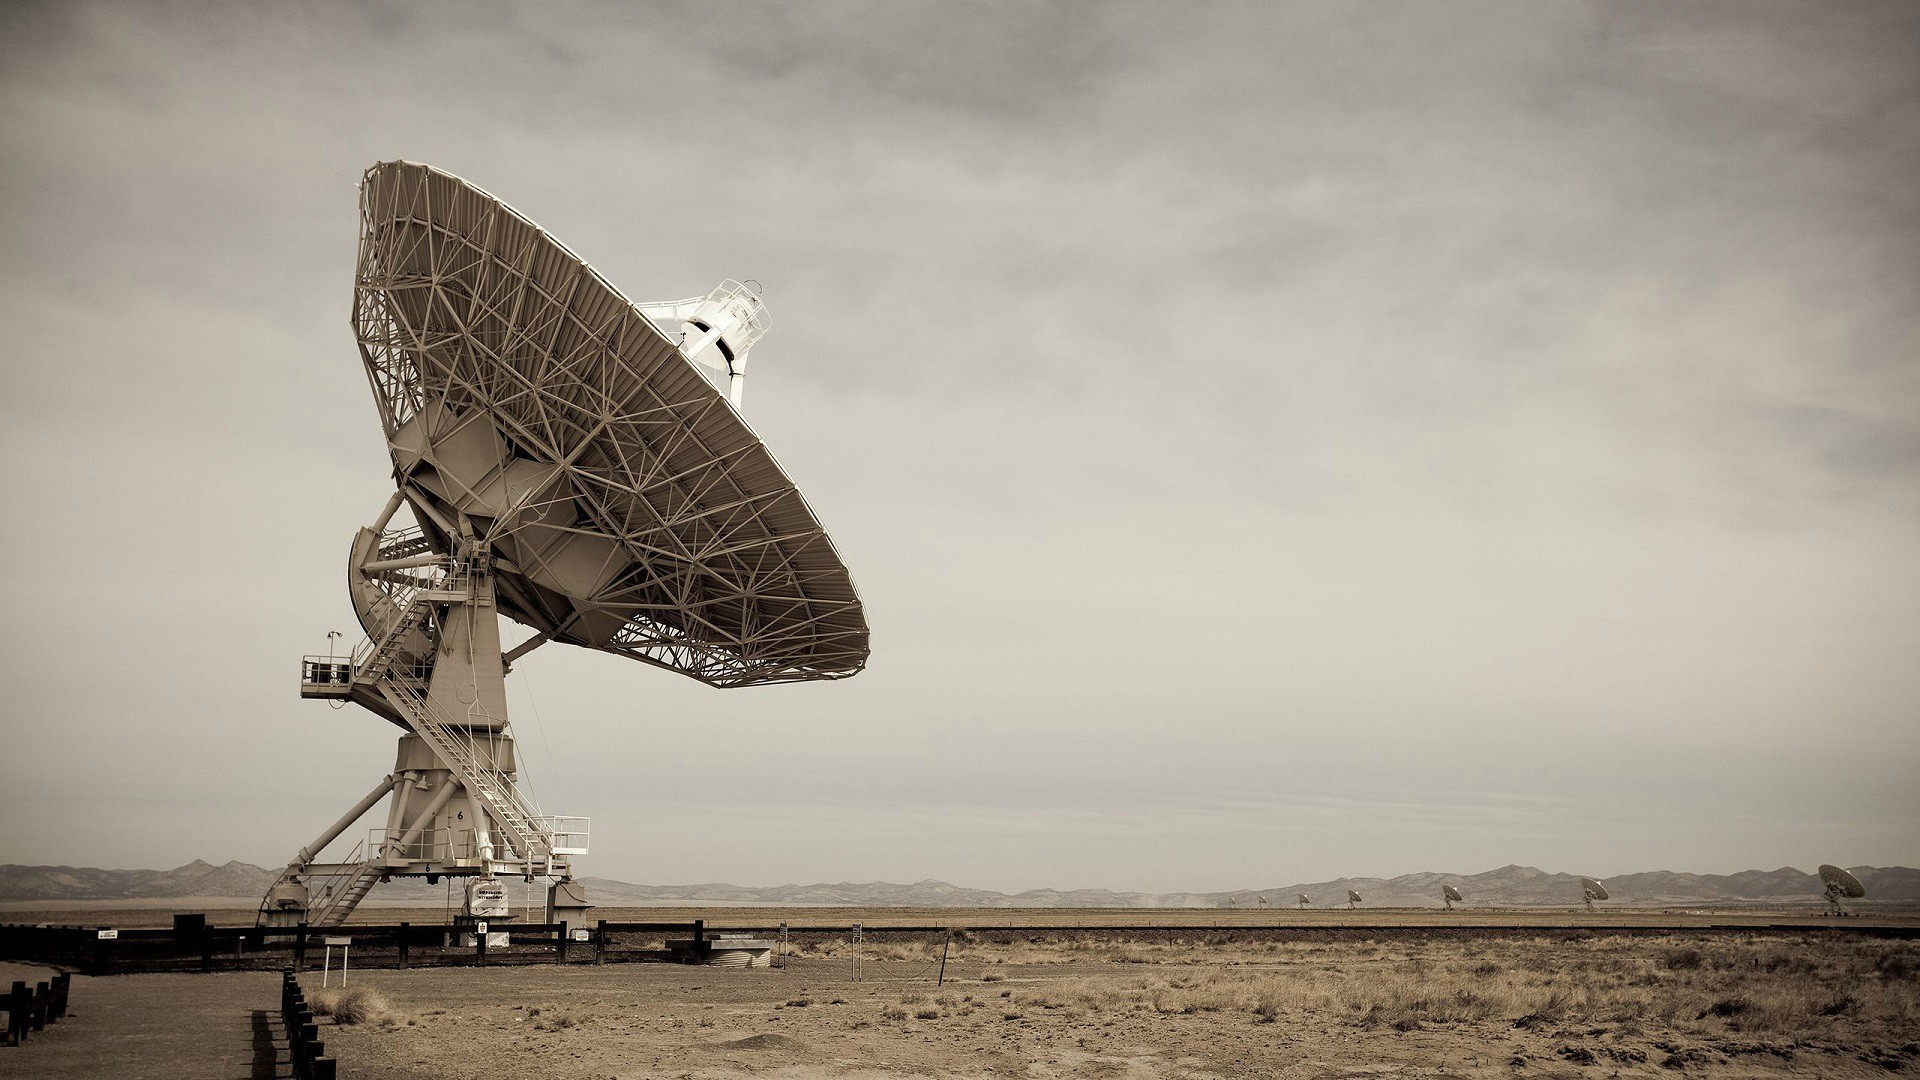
1653, 997
1580, 1004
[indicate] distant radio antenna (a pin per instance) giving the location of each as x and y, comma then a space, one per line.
1353, 899
1450, 894
1840, 886
1593, 890
1304, 902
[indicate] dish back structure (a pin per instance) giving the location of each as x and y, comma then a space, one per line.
1839, 885
1592, 890
573, 461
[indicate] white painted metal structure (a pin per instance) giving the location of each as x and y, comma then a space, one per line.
577, 463
1353, 899
1450, 894
1592, 890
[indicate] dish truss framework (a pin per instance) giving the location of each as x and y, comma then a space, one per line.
577, 463
1839, 886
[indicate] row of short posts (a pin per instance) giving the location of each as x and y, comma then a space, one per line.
303, 1034
32, 1010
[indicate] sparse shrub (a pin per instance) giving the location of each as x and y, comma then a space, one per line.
992, 976
349, 1004
799, 1002
1839, 1006
1685, 959
894, 1012
1900, 966
926, 1014
1728, 1006
1549, 1010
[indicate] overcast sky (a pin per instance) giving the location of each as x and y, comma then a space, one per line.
1273, 441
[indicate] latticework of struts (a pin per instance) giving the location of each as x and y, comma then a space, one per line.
723, 572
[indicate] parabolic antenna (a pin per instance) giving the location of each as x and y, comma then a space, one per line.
1353, 898
1304, 902
1592, 890
1840, 885
1451, 895
577, 463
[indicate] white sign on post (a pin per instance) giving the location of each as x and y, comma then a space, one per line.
480, 928
582, 935
109, 935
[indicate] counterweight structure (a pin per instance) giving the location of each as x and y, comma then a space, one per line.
577, 463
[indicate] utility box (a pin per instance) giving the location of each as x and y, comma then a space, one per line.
189, 933
567, 903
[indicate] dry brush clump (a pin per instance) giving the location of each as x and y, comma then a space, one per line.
350, 1004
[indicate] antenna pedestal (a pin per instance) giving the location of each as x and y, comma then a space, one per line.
432, 665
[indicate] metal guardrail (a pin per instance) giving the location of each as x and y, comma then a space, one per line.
110, 951
104, 951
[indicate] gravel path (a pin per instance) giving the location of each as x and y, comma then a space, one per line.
168, 1027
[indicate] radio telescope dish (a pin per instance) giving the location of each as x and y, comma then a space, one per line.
1353, 898
1840, 885
577, 463
1593, 890
1451, 895
1304, 902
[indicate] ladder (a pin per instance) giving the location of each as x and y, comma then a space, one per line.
521, 825
343, 894
376, 655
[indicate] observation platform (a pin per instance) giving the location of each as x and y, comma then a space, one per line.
326, 677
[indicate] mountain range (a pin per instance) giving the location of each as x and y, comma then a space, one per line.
1508, 885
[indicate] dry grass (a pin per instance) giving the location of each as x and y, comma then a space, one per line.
1805, 987
350, 1004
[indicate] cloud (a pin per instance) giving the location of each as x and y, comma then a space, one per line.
1222, 414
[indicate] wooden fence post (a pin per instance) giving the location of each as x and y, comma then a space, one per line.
600, 944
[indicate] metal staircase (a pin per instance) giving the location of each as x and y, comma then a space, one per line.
340, 894
520, 823
521, 826
411, 596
